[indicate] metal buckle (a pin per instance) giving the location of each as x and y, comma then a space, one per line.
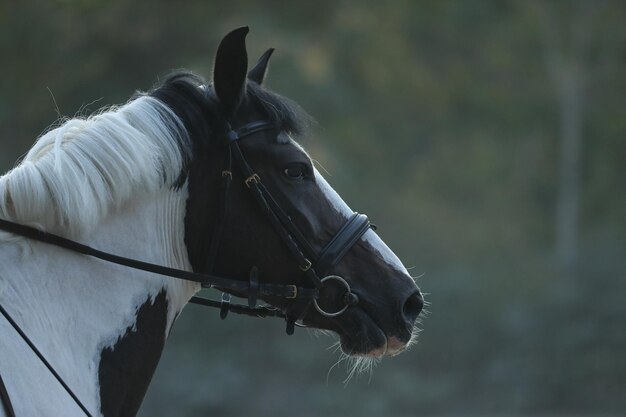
225, 305
252, 178
227, 173
294, 292
307, 265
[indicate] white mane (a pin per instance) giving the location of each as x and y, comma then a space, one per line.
76, 174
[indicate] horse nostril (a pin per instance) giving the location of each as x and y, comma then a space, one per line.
412, 307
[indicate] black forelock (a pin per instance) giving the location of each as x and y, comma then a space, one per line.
194, 101
283, 112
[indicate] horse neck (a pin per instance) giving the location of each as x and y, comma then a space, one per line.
101, 325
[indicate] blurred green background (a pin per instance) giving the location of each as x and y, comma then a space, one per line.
487, 139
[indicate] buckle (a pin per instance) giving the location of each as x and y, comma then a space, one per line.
224, 305
307, 265
227, 173
232, 135
254, 178
294, 292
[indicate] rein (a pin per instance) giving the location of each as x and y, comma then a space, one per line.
313, 265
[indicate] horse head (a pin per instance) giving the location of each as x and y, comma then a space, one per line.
380, 317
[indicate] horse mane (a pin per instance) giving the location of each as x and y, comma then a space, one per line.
75, 174
78, 173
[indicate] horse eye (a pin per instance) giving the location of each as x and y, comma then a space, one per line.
295, 171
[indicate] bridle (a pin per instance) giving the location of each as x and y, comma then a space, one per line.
312, 264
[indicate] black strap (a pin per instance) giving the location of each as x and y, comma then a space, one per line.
251, 128
218, 225
262, 311
226, 284
345, 238
6, 401
299, 247
288, 223
261, 198
43, 360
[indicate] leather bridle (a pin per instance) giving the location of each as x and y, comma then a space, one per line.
312, 264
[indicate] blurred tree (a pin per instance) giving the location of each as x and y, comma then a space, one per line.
567, 56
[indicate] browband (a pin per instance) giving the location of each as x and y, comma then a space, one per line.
247, 130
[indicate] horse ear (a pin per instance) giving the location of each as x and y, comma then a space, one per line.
258, 73
229, 71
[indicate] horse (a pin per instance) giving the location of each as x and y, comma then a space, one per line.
112, 223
